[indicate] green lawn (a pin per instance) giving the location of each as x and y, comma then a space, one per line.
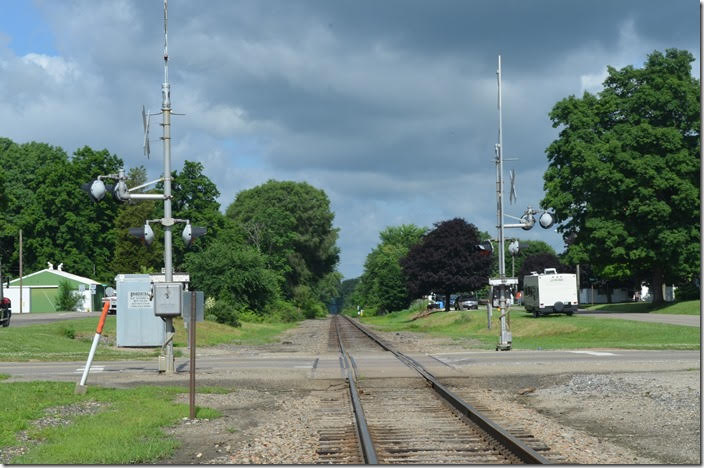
469, 328
683, 307
127, 429
70, 340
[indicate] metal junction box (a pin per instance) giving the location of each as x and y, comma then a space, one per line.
168, 299
136, 323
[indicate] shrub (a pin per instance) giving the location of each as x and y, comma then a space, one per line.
284, 311
225, 313
687, 292
67, 298
308, 302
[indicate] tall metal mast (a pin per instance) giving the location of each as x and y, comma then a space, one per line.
505, 334
168, 220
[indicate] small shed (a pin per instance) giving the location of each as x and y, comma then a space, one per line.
40, 290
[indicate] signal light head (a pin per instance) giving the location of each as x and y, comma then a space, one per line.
96, 189
191, 233
546, 220
144, 232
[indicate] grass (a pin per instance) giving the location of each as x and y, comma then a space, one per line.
549, 332
212, 333
128, 430
70, 340
681, 307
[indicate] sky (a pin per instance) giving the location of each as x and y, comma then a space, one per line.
389, 107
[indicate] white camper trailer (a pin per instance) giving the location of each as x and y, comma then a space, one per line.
550, 292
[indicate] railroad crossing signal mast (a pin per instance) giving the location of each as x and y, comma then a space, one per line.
167, 295
527, 221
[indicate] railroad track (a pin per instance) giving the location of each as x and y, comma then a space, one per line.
414, 420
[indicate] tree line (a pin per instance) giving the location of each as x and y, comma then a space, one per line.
272, 254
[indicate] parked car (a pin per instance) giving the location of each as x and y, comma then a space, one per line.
466, 302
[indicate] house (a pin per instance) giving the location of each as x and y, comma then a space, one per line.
40, 290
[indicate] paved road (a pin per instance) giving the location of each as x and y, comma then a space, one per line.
23, 320
672, 319
374, 364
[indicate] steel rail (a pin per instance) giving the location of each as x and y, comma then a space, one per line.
365, 439
516, 446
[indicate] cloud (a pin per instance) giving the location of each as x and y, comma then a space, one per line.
390, 107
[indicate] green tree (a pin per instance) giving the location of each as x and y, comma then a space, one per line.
383, 284
445, 262
132, 255
291, 224
527, 248
623, 176
58, 220
234, 272
195, 198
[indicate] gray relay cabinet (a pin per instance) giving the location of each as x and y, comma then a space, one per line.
136, 323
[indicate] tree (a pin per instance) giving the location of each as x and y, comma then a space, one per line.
623, 176
195, 198
58, 220
234, 272
132, 255
383, 284
539, 262
444, 261
291, 224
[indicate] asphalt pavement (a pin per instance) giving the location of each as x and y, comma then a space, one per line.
672, 319
24, 320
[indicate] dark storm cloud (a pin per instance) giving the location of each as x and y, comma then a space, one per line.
389, 106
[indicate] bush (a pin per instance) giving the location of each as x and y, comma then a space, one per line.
67, 299
308, 302
687, 292
225, 313
284, 311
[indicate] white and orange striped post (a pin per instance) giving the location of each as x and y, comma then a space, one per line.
81, 386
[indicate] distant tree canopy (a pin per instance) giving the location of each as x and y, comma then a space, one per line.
274, 254
291, 224
538, 263
444, 261
60, 224
382, 285
514, 264
623, 176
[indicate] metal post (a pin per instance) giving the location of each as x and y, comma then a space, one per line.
504, 333
192, 336
167, 221
20, 271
